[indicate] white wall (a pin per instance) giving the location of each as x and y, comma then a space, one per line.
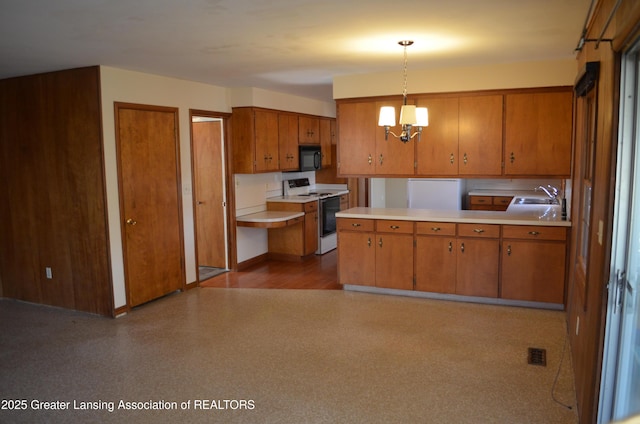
440, 80
388, 192
250, 96
118, 85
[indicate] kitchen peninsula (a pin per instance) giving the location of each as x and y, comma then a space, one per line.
516, 257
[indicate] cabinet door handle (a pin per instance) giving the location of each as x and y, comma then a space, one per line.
534, 233
451, 159
380, 242
394, 227
450, 247
436, 229
509, 250
478, 230
369, 242
512, 157
464, 159
462, 247
355, 225
381, 159
370, 160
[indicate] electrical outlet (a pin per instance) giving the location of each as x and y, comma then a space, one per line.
48, 272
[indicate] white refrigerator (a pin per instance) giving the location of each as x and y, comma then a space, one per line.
435, 193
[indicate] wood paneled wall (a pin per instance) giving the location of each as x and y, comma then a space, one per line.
588, 304
53, 209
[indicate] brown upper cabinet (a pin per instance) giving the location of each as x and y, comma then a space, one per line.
437, 151
480, 135
356, 136
308, 130
255, 140
465, 136
362, 148
288, 141
266, 140
538, 133
391, 156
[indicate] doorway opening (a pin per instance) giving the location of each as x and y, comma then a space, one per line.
209, 194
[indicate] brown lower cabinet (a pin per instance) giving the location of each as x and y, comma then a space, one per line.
515, 262
376, 253
295, 240
533, 263
436, 257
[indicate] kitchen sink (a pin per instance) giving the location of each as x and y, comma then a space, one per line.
535, 201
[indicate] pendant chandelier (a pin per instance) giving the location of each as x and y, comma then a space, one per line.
411, 117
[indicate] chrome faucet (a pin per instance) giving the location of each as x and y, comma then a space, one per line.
549, 193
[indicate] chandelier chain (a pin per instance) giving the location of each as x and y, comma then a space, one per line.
404, 73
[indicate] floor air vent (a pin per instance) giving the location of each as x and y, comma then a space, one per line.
537, 356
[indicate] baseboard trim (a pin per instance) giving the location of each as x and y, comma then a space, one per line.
454, 297
253, 261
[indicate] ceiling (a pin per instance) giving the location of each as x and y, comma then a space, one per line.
290, 46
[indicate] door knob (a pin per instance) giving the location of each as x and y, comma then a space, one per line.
131, 221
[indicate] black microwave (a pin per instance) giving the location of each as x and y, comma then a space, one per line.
310, 158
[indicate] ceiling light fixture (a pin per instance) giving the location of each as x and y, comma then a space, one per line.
410, 115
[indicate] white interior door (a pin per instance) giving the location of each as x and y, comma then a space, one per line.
620, 388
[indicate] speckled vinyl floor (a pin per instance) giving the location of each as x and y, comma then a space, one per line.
284, 356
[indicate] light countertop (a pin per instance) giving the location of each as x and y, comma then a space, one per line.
543, 215
270, 219
269, 216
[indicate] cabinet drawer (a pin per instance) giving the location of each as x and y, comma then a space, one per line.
479, 230
354, 224
534, 232
502, 200
388, 226
436, 228
480, 200
311, 206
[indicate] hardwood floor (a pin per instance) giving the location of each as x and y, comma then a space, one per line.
318, 272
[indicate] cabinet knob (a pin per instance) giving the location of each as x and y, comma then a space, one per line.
131, 221
462, 247
509, 250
